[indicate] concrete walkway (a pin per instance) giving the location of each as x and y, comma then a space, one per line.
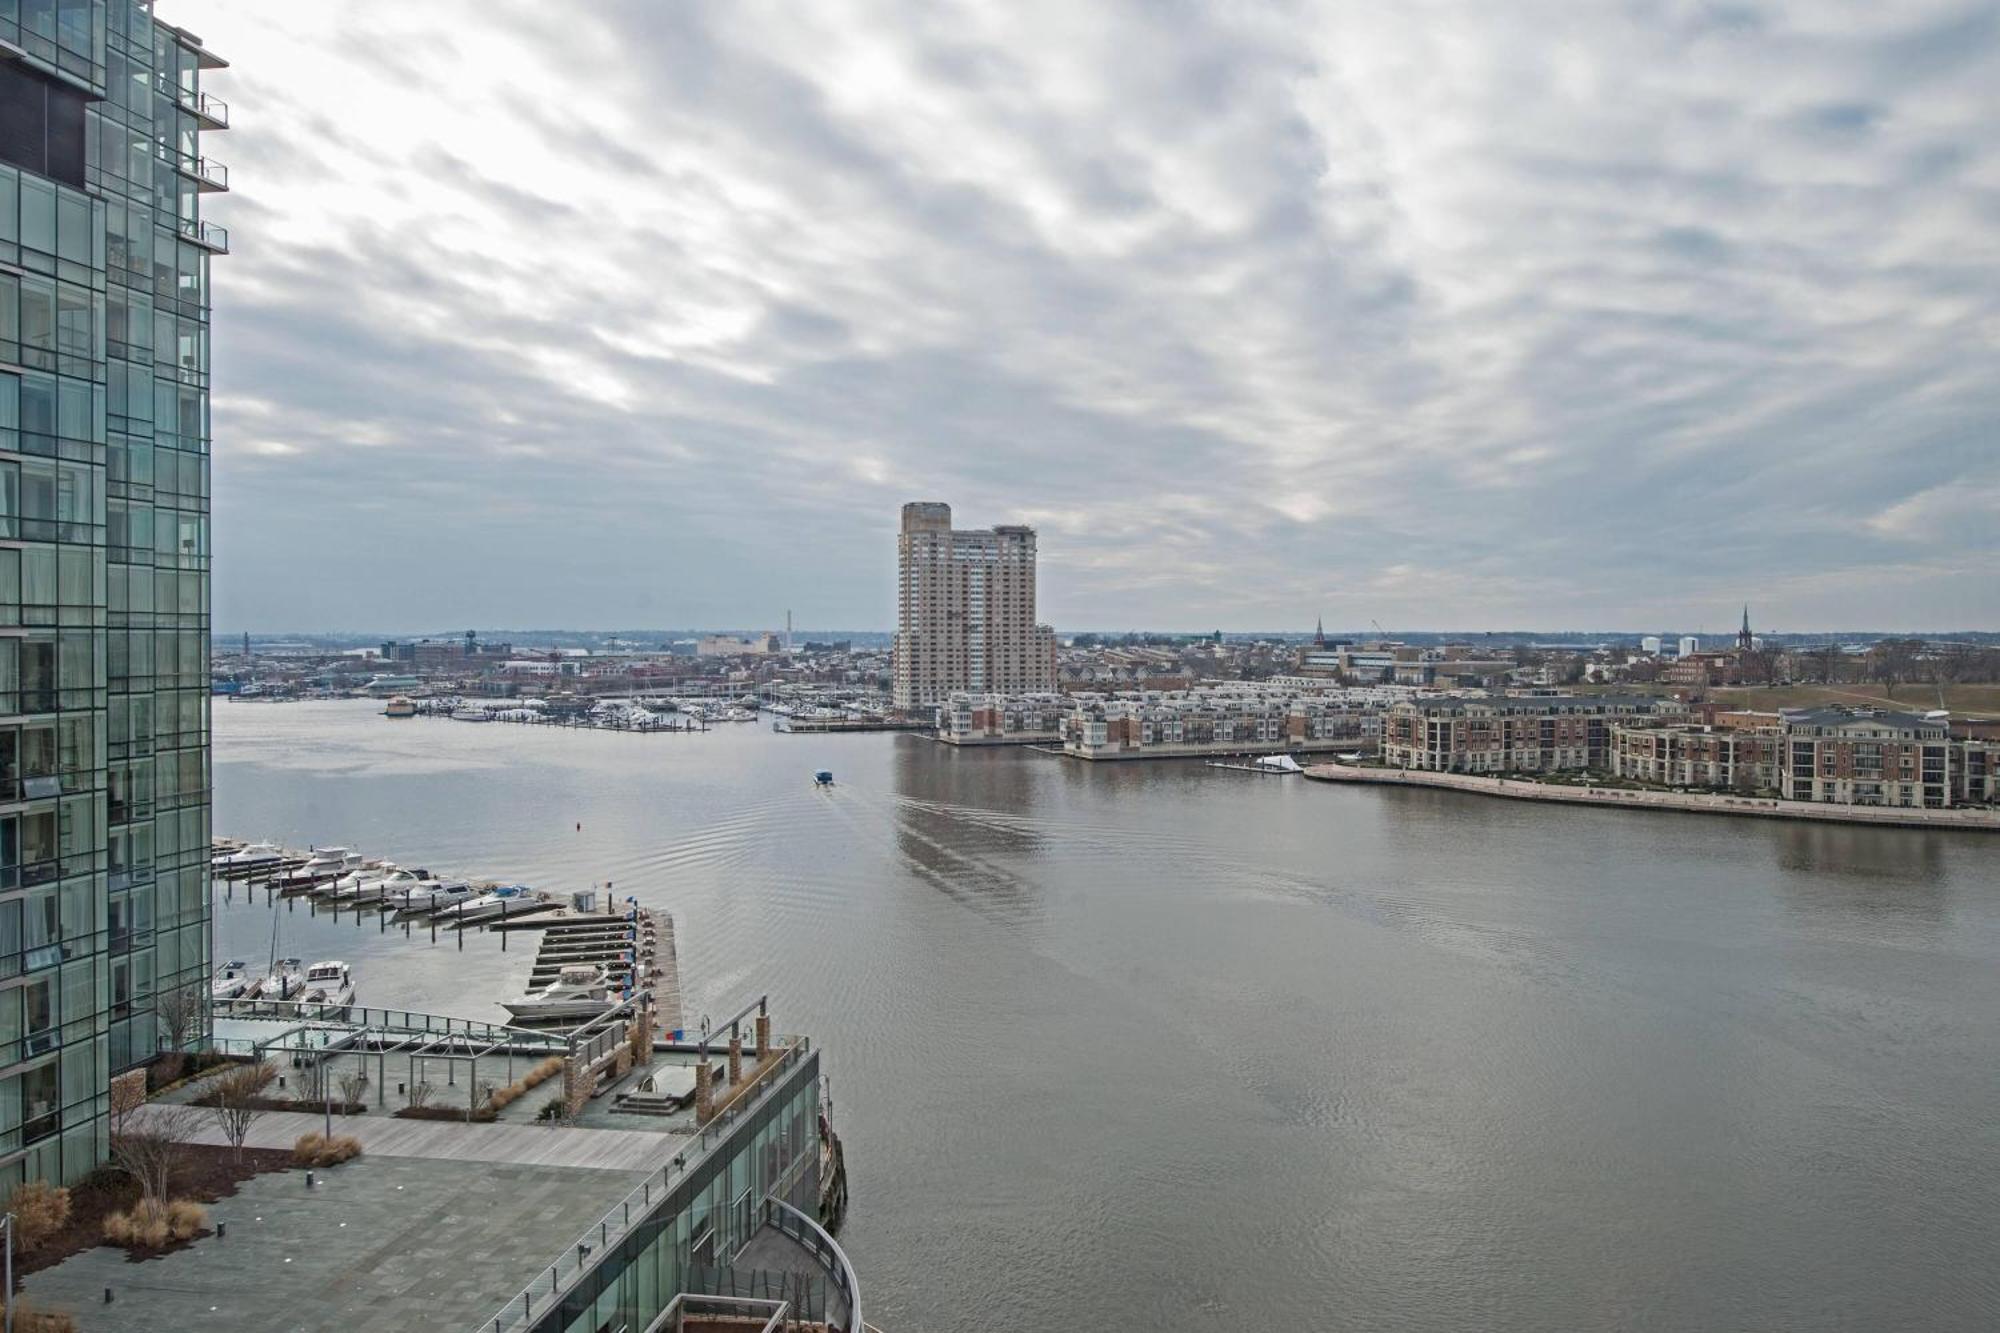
1522, 789
445, 1140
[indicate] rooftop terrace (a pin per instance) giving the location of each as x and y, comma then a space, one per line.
452, 1223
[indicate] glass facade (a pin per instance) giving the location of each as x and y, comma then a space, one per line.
104, 610
686, 1241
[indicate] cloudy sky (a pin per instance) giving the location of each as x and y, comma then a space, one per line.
1442, 313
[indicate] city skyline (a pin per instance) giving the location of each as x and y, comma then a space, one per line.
1242, 311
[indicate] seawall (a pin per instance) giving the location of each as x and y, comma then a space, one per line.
1765, 807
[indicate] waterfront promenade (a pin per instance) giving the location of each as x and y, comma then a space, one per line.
1691, 802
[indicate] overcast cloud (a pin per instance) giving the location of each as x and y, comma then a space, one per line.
1443, 314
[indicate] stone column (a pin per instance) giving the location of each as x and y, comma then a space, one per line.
763, 1038
735, 1058
704, 1092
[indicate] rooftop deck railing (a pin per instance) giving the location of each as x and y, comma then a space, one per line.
577, 1259
358, 1018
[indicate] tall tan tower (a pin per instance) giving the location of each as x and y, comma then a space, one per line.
966, 610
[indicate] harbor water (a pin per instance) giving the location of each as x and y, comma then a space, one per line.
1135, 1046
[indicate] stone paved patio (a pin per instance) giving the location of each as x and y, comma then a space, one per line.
379, 1243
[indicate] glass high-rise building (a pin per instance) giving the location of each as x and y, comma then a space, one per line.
104, 603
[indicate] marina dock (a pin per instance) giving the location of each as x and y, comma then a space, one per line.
634, 946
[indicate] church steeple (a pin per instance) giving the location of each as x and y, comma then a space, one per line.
1319, 632
1744, 638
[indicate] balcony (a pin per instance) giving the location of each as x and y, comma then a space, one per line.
206, 234
212, 112
209, 177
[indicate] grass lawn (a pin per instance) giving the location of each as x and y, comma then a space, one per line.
1962, 699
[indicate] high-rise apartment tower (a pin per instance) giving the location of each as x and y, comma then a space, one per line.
104, 612
966, 610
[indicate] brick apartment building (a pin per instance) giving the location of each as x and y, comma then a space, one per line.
1866, 756
1505, 735
1695, 755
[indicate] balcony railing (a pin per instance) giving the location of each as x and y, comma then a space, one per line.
209, 176
206, 234
212, 112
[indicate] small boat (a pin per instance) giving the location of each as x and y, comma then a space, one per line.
231, 981
470, 715
330, 983
577, 992
250, 854
400, 706
284, 983
823, 778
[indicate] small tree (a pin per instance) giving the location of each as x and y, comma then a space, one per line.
352, 1085
148, 1147
236, 1101
420, 1094
180, 1011
312, 1079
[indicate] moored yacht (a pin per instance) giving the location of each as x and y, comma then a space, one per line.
324, 862
506, 898
367, 886
428, 895
249, 854
284, 981
577, 992
329, 983
231, 981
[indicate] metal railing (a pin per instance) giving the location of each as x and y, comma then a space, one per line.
206, 234
577, 1260
830, 1257
405, 1021
208, 174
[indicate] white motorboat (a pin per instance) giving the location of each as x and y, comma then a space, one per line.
506, 898
323, 862
429, 895
330, 983
345, 886
577, 992
284, 983
471, 715
231, 981
249, 854
368, 886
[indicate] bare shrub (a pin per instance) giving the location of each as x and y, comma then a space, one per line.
152, 1223
316, 1149
353, 1085
420, 1093
185, 1217
40, 1210
28, 1319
